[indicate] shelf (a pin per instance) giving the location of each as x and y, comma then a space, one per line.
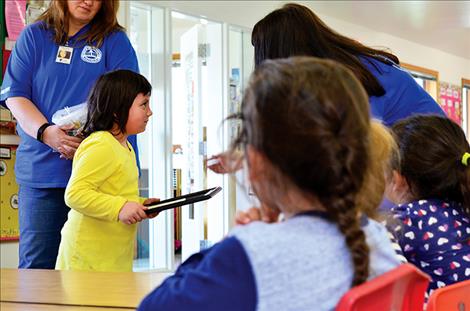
8, 139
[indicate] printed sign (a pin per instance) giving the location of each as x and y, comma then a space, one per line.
15, 17
450, 100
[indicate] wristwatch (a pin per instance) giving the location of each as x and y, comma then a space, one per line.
41, 130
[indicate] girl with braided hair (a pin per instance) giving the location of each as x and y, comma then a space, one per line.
305, 139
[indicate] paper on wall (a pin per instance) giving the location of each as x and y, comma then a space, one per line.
15, 13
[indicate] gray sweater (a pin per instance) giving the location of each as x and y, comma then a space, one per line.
303, 263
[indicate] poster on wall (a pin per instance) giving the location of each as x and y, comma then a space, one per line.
19, 13
15, 17
450, 100
9, 228
34, 9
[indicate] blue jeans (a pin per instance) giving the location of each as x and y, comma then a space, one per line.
42, 214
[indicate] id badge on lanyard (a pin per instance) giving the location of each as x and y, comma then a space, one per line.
64, 55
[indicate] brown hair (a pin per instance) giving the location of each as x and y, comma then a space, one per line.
294, 30
431, 149
56, 17
381, 149
310, 119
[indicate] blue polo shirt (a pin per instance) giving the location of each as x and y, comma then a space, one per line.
403, 98
33, 73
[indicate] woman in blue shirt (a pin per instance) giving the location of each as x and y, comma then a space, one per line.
296, 30
54, 64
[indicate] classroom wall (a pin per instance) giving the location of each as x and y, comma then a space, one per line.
9, 255
451, 68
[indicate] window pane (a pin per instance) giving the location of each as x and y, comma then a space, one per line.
139, 36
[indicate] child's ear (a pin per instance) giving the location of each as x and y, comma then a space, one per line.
400, 182
255, 164
398, 189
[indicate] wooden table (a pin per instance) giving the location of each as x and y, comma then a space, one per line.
9, 306
75, 288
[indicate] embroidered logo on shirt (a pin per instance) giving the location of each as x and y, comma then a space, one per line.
91, 54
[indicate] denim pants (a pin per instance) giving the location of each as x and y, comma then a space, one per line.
42, 214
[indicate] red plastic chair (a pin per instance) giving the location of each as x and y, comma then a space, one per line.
402, 289
449, 298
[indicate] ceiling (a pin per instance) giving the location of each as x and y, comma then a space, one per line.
444, 25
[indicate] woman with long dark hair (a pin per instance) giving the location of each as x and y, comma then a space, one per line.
295, 30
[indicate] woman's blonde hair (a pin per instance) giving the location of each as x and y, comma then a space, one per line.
381, 150
56, 17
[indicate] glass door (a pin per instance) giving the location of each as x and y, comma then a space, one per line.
198, 69
241, 65
147, 35
140, 39
198, 112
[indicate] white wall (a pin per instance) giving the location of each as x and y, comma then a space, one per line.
242, 13
9, 254
123, 14
451, 68
246, 13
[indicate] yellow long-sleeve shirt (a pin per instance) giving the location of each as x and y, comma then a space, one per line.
104, 177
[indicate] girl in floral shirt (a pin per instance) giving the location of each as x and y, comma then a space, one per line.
431, 184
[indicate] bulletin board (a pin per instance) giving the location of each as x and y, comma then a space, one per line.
450, 99
12, 22
3, 34
8, 195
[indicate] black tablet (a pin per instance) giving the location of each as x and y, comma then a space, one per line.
189, 198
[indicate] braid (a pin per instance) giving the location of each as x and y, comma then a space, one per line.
342, 209
348, 223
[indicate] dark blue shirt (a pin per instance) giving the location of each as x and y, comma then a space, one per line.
219, 278
435, 237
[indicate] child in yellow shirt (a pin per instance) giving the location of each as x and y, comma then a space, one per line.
103, 190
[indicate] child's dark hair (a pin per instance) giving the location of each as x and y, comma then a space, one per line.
294, 30
111, 98
310, 119
431, 149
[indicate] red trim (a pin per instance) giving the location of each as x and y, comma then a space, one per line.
4, 239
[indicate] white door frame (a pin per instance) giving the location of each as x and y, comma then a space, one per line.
161, 228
